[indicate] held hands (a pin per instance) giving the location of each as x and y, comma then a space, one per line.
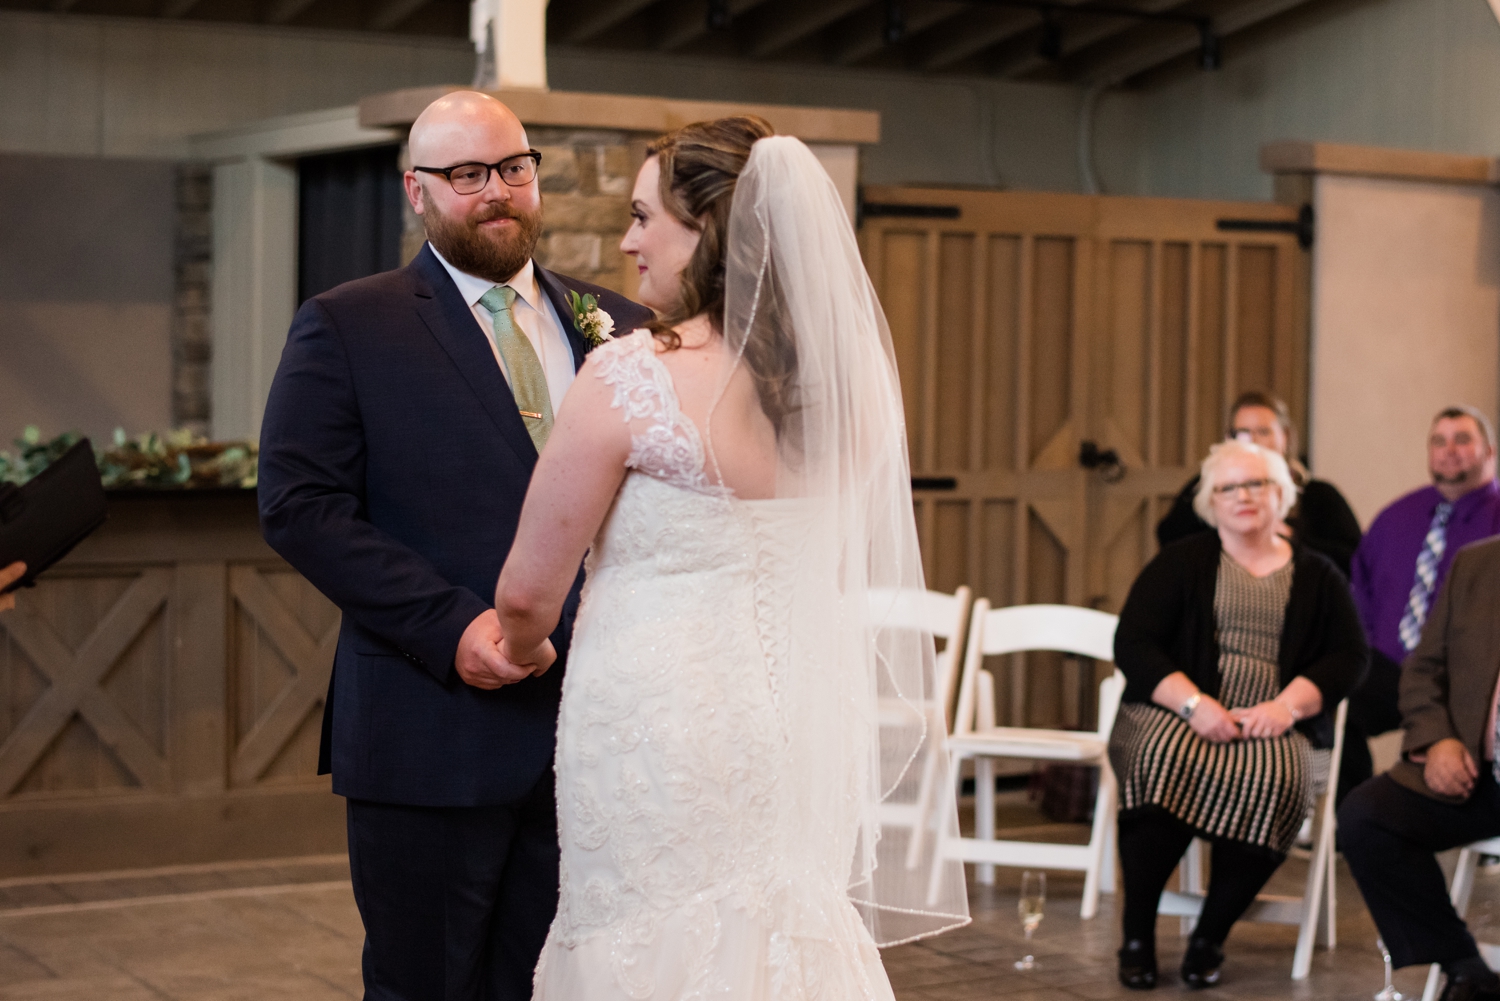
482, 662
1212, 722
1266, 719
8, 576
1448, 768
538, 660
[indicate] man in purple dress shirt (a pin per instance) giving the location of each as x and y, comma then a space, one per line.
1400, 566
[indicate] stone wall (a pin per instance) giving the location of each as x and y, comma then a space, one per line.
586, 178
192, 269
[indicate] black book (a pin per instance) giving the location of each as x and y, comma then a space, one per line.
42, 521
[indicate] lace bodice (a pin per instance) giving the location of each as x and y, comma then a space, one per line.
671, 760
664, 442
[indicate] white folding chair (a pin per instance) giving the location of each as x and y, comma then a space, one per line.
1187, 901
1462, 888
1065, 629
946, 617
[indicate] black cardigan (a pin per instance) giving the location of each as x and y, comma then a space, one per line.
1167, 625
1322, 520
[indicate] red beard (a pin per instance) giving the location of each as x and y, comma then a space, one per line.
495, 255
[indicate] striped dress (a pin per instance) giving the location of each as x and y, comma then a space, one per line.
1255, 791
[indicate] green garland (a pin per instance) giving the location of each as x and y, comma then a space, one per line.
177, 460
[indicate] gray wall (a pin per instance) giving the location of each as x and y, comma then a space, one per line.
85, 295
1417, 74
965, 131
76, 85
1411, 73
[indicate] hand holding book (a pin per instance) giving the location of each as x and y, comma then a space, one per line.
51, 513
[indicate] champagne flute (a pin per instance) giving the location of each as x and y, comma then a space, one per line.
1033, 901
1389, 992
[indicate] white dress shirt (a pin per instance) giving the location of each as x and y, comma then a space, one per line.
534, 315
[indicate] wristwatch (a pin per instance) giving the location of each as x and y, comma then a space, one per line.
1186, 712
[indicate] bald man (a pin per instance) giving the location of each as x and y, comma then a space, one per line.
398, 441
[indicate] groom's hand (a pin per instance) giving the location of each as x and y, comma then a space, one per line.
479, 662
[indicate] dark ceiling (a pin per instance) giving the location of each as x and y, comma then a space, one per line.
1078, 41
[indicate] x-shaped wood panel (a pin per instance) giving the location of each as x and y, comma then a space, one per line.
75, 676
311, 657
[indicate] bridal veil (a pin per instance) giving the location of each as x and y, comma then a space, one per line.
857, 697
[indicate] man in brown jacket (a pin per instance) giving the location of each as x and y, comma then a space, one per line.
1443, 792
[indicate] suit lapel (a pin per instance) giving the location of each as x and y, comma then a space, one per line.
448, 319
1491, 656
557, 292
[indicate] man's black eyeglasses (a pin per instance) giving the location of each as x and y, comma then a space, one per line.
470, 178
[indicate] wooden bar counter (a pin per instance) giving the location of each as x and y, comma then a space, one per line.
161, 695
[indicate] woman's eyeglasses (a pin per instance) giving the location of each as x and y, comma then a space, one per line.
1252, 487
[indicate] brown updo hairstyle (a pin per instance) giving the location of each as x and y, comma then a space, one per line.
700, 166
1277, 406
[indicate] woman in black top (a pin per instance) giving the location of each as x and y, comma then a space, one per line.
1236, 647
1321, 519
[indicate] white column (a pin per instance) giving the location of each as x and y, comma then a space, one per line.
254, 286
510, 37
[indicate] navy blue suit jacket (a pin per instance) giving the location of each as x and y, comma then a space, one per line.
393, 467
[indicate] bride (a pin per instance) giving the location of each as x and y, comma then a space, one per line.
736, 722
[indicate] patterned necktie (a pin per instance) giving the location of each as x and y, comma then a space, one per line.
1495, 763
1428, 559
528, 383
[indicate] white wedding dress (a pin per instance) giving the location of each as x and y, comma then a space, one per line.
681, 874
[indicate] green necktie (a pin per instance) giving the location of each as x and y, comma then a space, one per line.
528, 383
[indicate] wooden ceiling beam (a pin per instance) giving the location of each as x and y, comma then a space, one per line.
1084, 36
683, 22
578, 26
393, 12
282, 11
1127, 61
970, 33
865, 37
783, 23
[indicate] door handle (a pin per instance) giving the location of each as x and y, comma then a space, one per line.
1107, 461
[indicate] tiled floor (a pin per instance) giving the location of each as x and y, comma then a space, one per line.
289, 930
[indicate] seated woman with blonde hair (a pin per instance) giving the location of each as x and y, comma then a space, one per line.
1236, 646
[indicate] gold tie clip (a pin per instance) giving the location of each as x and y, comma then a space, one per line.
528, 413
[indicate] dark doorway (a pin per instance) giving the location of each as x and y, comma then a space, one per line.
348, 216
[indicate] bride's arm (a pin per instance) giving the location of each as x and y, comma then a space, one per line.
571, 491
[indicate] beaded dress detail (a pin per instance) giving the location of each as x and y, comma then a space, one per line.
674, 805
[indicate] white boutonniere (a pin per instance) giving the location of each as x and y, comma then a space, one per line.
593, 323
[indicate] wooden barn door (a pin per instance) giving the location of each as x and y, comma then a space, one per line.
1027, 324
1186, 321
